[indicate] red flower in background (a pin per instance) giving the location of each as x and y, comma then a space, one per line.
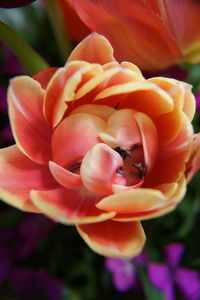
153, 34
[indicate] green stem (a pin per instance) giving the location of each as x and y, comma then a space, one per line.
60, 31
28, 57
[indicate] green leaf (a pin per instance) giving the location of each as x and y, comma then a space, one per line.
28, 57
150, 292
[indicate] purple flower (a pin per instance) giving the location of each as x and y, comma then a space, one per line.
166, 277
31, 230
14, 3
28, 284
23, 239
10, 67
125, 271
5, 263
198, 101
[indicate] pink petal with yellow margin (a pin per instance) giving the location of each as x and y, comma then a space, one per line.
189, 107
142, 96
74, 136
133, 201
75, 206
62, 87
174, 193
31, 132
113, 238
99, 169
18, 175
94, 49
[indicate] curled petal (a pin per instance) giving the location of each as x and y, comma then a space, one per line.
96, 83
111, 238
94, 49
74, 136
99, 169
133, 201
31, 132
74, 206
149, 135
101, 111
60, 89
184, 138
180, 92
169, 126
172, 87
64, 177
189, 107
122, 130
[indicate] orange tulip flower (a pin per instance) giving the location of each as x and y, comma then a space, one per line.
153, 34
99, 147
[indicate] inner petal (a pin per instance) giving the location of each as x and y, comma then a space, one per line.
122, 130
74, 136
100, 169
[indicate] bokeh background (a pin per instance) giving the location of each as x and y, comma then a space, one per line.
43, 260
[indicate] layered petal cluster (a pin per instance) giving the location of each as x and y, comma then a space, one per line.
153, 34
99, 147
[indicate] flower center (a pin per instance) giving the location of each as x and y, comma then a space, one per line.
134, 168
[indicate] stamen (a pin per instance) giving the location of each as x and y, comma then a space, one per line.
135, 147
123, 153
74, 167
120, 171
141, 168
117, 105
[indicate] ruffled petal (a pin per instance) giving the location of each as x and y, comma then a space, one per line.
133, 201
31, 132
99, 169
62, 87
142, 96
75, 206
18, 175
74, 136
94, 49
114, 239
